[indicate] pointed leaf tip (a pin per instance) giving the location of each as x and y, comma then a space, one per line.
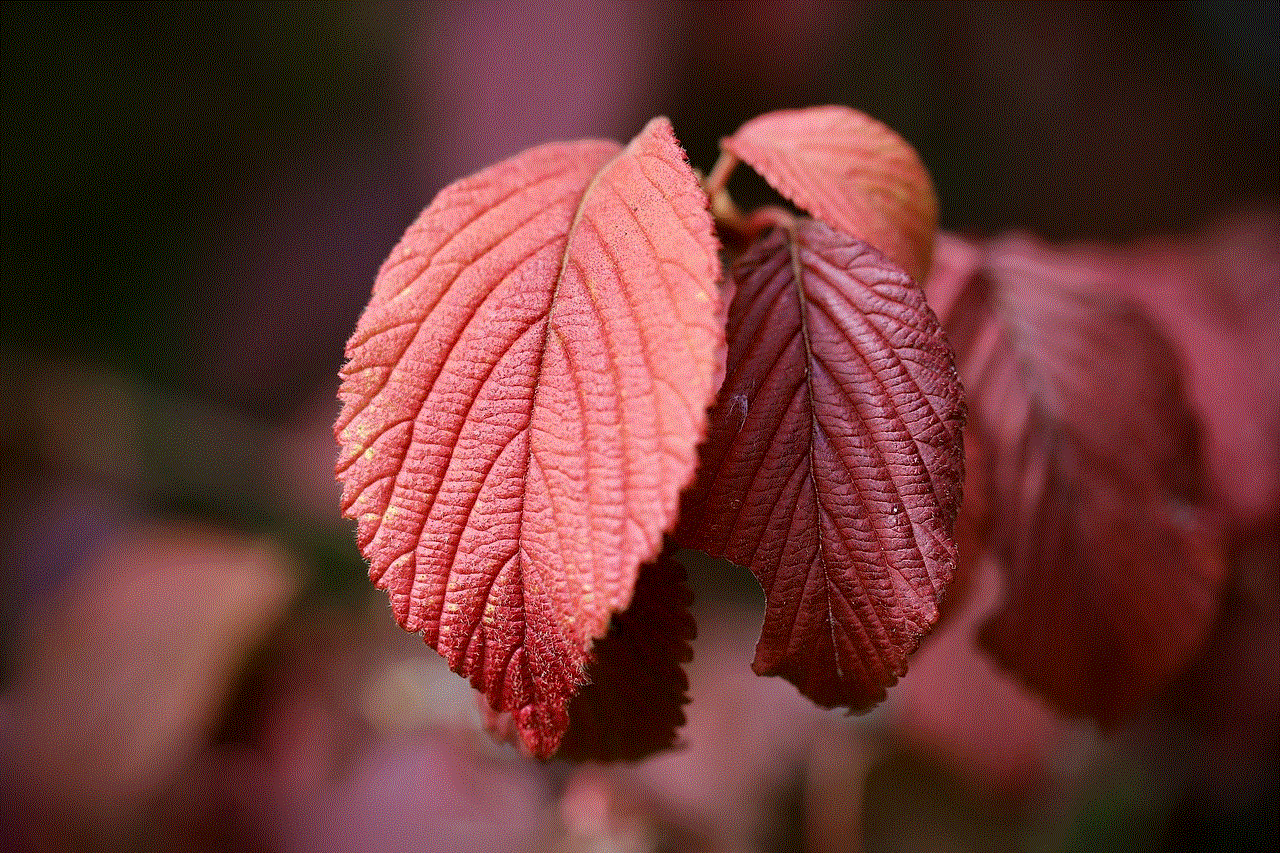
850, 171
834, 464
522, 402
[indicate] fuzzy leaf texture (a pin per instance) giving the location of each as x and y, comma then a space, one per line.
850, 171
521, 407
1092, 481
834, 464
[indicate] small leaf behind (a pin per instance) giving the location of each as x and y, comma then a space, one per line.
634, 705
834, 464
521, 407
850, 171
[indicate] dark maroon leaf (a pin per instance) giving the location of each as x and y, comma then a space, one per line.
633, 704
833, 467
1092, 481
635, 701
1217, 298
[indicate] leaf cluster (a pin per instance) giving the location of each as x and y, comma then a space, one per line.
584, 357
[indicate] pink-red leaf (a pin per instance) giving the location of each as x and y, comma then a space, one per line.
834, 463
850, 171
1092, 480
521, 407
127, 668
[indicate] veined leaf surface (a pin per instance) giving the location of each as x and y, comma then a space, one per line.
834, 464
850, 171
522, 404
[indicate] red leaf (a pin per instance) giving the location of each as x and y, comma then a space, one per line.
521, 407
834, 463
850, 171
1092, 482
959, 708
634, 703
1217, 297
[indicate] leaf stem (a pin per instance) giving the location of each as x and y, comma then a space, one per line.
718, 177
764, 218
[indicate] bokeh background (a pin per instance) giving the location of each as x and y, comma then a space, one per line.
196, 198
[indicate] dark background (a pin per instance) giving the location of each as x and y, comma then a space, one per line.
196, 198
199, 194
